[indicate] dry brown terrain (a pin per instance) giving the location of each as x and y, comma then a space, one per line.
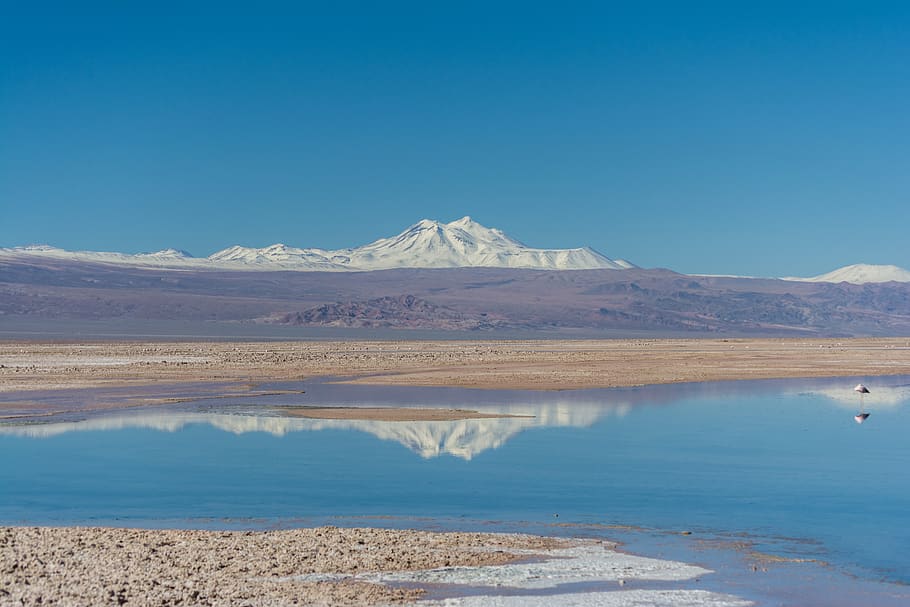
54, 297
541, 365
101, 566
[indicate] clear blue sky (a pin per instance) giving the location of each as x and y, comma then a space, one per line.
755, 138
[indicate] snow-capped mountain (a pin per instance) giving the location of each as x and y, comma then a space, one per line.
167, 254
276, 256
466, 243
862, 273
426, 244
164, 258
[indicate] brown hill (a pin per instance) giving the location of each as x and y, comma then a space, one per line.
477, 299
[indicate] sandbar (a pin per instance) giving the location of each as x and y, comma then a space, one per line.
390, 414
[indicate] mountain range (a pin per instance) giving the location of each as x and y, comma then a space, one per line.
862, 273
426, 244
455, 277
463, 243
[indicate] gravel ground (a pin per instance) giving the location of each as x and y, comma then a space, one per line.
543, 365
105, 566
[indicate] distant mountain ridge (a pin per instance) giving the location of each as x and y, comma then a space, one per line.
862, 273
426, 244
463, 243
42, 293
404, 311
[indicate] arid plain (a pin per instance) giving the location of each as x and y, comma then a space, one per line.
536, 365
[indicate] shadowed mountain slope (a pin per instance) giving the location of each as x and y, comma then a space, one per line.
458, 299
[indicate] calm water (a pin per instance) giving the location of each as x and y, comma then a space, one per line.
783, 462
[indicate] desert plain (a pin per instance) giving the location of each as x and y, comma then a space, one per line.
532, 364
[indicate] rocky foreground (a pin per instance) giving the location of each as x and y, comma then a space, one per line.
103, 566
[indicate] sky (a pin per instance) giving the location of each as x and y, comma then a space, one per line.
752, 138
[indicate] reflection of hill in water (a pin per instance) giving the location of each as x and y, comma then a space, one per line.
460, 438
882, 397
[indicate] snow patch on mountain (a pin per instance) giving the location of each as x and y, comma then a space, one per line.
163, 258
167, 254
426, 244
466, 243
861, 273
275, 257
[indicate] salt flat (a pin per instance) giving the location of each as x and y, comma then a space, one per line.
533, 364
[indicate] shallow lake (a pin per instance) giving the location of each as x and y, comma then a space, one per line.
782, 463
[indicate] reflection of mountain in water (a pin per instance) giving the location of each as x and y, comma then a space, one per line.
462, 438
881, 397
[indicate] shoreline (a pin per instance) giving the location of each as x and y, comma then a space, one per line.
104, 565
418, 566
333, 566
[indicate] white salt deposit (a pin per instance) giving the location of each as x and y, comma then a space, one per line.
619, 598
585, 563
55, 362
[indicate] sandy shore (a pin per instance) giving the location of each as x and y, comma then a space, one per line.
103, 566
542, 365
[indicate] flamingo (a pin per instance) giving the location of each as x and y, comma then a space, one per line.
862, 415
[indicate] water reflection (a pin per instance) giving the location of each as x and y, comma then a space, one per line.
464, 438
768, 458
879, 397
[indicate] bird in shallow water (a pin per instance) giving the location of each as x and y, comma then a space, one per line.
862, 415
